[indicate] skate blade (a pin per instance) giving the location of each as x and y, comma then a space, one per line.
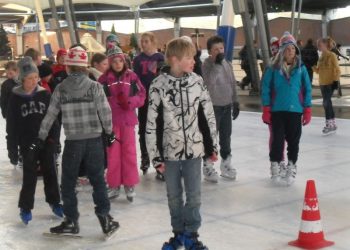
329, 133
63, 235
111, 234
228, 178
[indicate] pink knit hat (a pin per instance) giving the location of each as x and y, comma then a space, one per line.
77, 56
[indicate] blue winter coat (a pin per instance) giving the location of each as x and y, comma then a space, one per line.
283, 94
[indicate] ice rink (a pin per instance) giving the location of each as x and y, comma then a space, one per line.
248, 214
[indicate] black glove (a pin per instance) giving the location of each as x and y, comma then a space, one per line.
219, 58
111, 139
235, 110
33, 149
133, 88
106, 90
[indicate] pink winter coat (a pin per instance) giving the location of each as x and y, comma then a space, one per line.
125, 93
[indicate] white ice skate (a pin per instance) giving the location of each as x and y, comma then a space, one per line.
209, 171
290, 173
113, 192
330, 127
130, 193
227, 171
275, 172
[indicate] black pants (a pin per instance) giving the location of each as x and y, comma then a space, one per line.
285, 126
142, 115
327, 93
46, 159
12, 148
248, 78
311, 73
223, 116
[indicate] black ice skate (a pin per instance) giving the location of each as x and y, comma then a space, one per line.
109, 226
67, 229
145, 164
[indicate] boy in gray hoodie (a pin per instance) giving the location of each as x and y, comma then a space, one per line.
221, 83
85, 113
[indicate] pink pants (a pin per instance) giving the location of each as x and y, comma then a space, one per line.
121, 158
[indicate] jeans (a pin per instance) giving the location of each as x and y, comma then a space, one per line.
91, 152
286, 126
327, 92
46, 159
184, 217
223, 116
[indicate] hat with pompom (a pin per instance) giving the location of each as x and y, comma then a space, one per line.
115, 51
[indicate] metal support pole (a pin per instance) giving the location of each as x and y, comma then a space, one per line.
55, 17
298, 21
177, 28
19, 39
219, 10
136, 10
69, 20
262, 32
292, 31
248, 32
38, 33
266, 21
98, 31
71, 6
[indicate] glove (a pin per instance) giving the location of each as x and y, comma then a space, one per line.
266, 116
123, 100
111, 139
219, 58
213, 157
235, 110
160, 168
33, 150
306, 116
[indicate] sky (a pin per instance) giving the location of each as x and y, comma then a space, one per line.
209, 22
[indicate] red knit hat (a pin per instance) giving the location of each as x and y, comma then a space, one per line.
61, 52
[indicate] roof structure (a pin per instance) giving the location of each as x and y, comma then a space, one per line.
90, 10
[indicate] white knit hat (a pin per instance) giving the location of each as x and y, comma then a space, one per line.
77, 56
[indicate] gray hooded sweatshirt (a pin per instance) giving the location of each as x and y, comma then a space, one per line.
220, 82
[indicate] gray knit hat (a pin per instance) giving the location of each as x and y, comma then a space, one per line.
26, 66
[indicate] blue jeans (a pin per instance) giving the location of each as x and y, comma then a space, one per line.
91, 152
327, 92
223, 117
184, 217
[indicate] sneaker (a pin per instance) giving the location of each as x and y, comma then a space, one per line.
66, 227
275, 170
26, 215
175, 242
191, 242
209, 171
107, 223
291, 173
227, 171
113, 193
130, 193
57, 209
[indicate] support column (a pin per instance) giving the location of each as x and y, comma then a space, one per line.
99, 31
292, 29
177, 27
136, 10
19, 39
262, 32
75, 25
57, 24
69, 20
297, 34
39, 13
266, 21
325, 21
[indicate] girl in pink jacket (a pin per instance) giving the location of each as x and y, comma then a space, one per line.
125, 93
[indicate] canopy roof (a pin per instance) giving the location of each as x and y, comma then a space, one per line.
89, 10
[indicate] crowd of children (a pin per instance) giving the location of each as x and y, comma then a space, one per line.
179, 115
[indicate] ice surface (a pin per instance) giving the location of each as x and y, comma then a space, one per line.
249, 213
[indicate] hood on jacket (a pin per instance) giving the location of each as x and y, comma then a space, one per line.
76, 84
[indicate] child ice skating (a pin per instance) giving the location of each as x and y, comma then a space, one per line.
286, 100
179, 99
146, 66
125, 93
27, 108
85, 112
218, 77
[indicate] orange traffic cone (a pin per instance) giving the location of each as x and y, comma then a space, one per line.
311, 233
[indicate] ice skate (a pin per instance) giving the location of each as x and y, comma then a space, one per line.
290, 173
160, 176
130, 193
227, 171
113, 193
174, 243
330, 127
108, 225
57, 209
275, 170
209, 171
66, 228
26, 215
191, 242
145, 164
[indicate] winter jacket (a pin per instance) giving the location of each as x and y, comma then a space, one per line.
58, 75
283, 94
129, 86
84, 106
327, 68
6, 92
179, 103
220, 82
25, 114
309, 55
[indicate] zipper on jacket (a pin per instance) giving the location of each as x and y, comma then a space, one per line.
183, 118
